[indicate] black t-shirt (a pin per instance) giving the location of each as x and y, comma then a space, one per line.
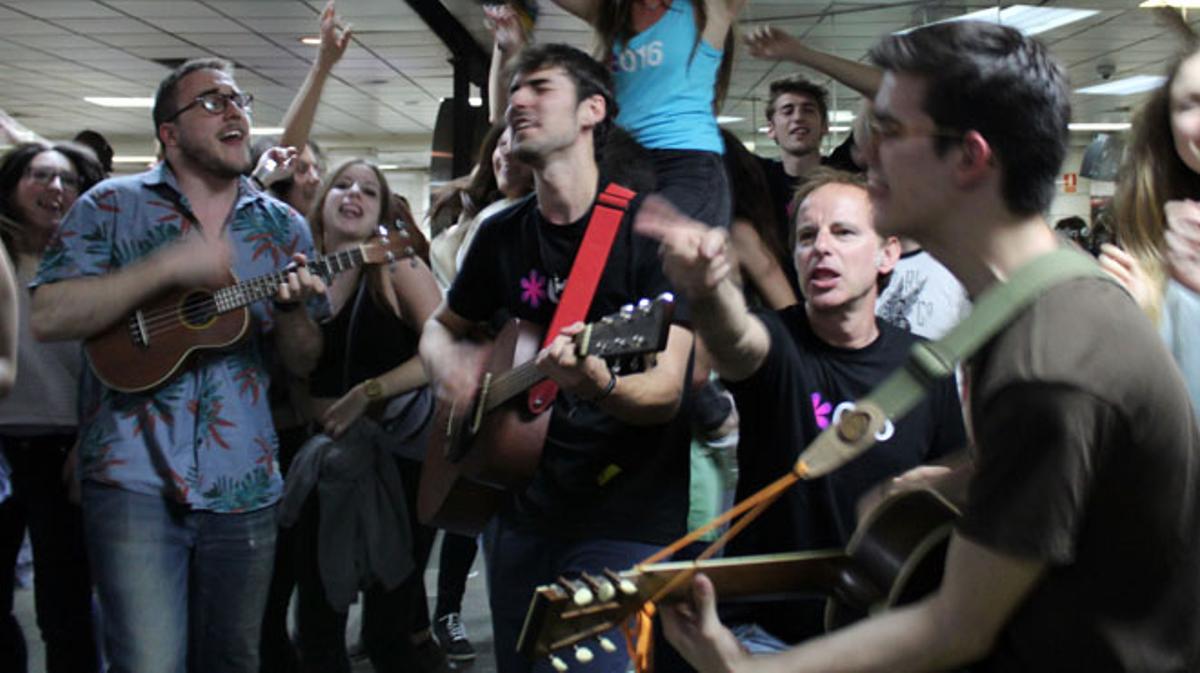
783, 406
382, 341
517, 267
1088, 461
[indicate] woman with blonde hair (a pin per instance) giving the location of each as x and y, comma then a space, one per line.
1158, 205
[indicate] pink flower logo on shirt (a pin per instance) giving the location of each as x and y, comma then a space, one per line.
822, 410
533, 289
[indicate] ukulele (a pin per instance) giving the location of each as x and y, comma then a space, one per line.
478, 455
894, 558
150, 346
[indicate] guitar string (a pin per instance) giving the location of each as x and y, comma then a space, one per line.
153, 321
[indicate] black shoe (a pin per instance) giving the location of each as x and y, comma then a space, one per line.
430, 658
452, 636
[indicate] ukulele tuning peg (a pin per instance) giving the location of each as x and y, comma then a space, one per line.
583, 654
607, 645
558, 664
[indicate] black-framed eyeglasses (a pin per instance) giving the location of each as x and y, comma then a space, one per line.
215, 102
44, 176
882, 129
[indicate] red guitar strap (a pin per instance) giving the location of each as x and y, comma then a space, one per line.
589, 263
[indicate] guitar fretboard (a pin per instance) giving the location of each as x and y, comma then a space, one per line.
249, 291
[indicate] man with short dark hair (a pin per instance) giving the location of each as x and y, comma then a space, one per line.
612, 484
1077, 548
180, 481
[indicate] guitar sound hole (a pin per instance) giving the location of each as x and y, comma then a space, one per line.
198, 310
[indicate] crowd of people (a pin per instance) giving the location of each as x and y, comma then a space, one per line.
172, 521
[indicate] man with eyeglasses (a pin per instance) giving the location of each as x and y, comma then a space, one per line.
1077, 547
180, 482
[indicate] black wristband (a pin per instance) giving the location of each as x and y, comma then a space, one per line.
258, 183
612, 384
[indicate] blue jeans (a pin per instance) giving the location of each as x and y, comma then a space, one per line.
180, 589
518, 561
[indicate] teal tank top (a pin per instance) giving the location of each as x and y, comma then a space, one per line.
665, 84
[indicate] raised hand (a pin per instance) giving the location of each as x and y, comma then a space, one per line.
335, 37
695, 256
508, 32
1183, 242
277, 163
772, 44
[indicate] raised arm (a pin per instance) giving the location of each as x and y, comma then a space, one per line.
298, 121
695, 259
770, 43
508, 39
8, 324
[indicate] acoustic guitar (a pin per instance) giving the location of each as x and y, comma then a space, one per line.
150, 346
478, 455
895, 557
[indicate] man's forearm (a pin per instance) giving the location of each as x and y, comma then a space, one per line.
653, 396
298, 339
736, 340
82, 307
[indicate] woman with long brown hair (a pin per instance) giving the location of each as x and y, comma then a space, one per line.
1158, 197
39, 182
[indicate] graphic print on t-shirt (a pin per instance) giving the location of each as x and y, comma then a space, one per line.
537, 287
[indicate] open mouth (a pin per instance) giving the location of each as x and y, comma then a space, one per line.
232, 136
53, 207
823, 279
351, 210
521, 123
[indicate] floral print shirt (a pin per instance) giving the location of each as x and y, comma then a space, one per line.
204, 438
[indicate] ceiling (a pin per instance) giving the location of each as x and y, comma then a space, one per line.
383, 97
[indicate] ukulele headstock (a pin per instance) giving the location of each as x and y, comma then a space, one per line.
391, 244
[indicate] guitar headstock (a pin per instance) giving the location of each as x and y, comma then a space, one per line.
574, 613
634, 330
392, 244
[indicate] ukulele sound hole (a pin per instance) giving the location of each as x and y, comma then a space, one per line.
198, 310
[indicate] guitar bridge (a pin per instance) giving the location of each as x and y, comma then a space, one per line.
138, 331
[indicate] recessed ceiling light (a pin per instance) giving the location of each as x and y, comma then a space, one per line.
120, 102
1099, 126
1126, 86
726, 119
1028, 19
311, 40
475, 101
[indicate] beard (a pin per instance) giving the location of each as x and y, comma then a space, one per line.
206, 154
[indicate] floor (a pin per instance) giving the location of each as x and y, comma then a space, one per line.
475, 618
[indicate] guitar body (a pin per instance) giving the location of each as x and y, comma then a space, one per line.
147, 348
469, 469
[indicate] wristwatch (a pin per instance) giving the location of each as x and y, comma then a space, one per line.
373, 388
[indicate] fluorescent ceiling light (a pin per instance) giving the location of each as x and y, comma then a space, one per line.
1185, 4
475, 101
726, 119
763, 129
388, 167
1028, 19
838, 129
121, 102
134, 159
1126, 86
1099, 126
841, 116
266, 130
311, 40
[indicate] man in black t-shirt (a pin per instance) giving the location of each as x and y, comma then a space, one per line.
1077, 549
790, 372
612, 484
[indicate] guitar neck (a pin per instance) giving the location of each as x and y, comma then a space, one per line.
774, 575
512, 383
256, 289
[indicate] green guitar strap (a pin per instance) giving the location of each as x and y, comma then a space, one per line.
857, 428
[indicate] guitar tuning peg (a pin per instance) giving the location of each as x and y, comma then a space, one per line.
558, 664
583, 654
580, 594
627, 311
607, 645
644, 305
603, 589
628, 588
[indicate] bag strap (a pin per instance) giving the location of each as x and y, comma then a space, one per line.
590, 260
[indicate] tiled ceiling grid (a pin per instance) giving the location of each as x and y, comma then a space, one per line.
384, 95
